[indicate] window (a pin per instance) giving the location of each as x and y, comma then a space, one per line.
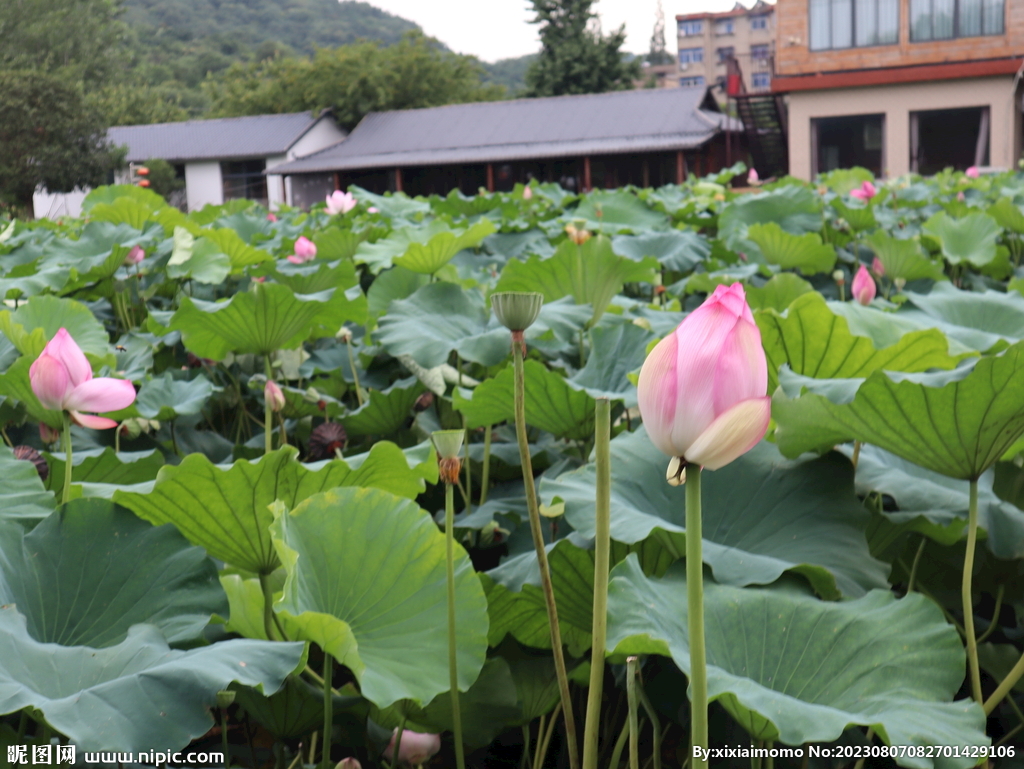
724, 27
759, 22
944, 138
848, 141
856, 23
244, 179
724, 54
760, 81
691, 55
759, 53
944, 19
691, 82
687, 28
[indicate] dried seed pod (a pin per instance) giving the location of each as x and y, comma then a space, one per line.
29, 454
424, 402
325, 440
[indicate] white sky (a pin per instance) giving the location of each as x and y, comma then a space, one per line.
500, 29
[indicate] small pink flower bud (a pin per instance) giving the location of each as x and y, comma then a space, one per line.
416, 748
271, 217
527, 192
373, 210
47, 434
863, 287
752, 178
305, 251
877, 267
972, 172
274, 396
866, 191
136, 255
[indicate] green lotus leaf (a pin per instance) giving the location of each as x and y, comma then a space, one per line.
91, 570
225, 509
778, 293
23, 497
551, 404
591, 274
385, 411
956, 423
395, 204
616, 350
265, 320
795, 669
679, 250
535, 680
801, 252
858, 217
970, 239
39, 319
794, 208
817, 343
201, 260
167, 396
763, 516
99, 250
428, 257
105, 466
1007, 215
110, 194
122, 210
333, 243
230, 243
440, 318
396, 283
366, 582
314, 277
902, 258
978, 319
295, 710
611, 211
135, 695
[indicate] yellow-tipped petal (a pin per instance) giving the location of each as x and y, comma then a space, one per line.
732, 434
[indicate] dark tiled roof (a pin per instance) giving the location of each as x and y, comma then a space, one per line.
219, 139
595, 124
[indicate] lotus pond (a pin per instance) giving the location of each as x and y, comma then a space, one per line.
256, 559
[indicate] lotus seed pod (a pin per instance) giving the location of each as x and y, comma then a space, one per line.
839, 276
225, 698
448, 442
517, 310
344, 334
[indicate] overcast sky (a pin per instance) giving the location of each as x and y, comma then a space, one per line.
500, 29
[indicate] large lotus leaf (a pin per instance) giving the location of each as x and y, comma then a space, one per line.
396, 283
96, 247
263, 321
887, 328
295, 710
440, 318
679, 250
22, 495
428, 257
225, 509
395, 204
366, 582
1007, 215
991, 316
314, 277
123, 210
335, 243
39, 319
136, 695
240, 253
611, 211
535, 680
778, 293
551, 404
385, 411
791, 668
112, 193
800, 252
199, 260
902, 258
91, 570
434, 239
616, 350
970, 239
168, 396
591, 274
763, 516
858, 217
795, 208
105, 466
936, 505
817, 343
957, 423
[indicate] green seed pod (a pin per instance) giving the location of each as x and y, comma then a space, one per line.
448, 442
225, 698
517, 310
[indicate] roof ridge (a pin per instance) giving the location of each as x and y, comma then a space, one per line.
203, 121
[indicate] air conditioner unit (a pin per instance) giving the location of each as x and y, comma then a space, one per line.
684, 66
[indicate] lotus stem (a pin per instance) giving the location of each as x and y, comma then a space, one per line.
524, 761
224, 736
485, 476
602, 548
655, 724
66, 440
1005, 686
995, 614
856, 454
544, 736
695, 617
268, 606
620, 745
355, 372
634, 727
328, 710
538, 543
469, 470
268, 411
398, 742
965, 594
453, 671
913, 566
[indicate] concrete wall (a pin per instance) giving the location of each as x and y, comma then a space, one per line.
53, 205
203, 185
896, 102
322, 135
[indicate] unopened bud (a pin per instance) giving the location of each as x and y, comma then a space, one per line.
273, 395
48, 434
349, 763
130, 428
527, 192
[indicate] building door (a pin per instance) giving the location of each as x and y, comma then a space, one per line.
848, 141
949, 138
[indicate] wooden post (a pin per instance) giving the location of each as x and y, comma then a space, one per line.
586, 174
490, 177
337, 180
398, 180
646, 171
680, 173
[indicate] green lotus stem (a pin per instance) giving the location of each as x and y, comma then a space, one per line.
485, 476
453, 670
224, 736
856, 454
544, 736
869, 735
66, 440
355, 373
965, 594
469, 471
995, 614
634, 726
328, 710
913, 566
524, 761
538, 543
620, 745
398, 741
268, 606
268, 411
1005, 686
655, 724
602, 548
769, 761
695, 616
117, 439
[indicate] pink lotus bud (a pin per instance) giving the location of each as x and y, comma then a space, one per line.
702, 389
972, 172
62, 380
416, 748
349, 763
752, 178
373, 210
527, 192
863, 287
960, 196
274, 396
877, 267
305, 251
339, 202
271, 217
47, 434
866, 191
136, 255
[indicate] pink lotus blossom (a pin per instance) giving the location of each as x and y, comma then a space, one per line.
339, 202
972, 172
416, 748
273, 395
136, 255
527, 192
271, 217
702, 389
62, 380
877, 267
866, 191
752, 178
863, 287
373, 210
960, 196
305, 251
349, 763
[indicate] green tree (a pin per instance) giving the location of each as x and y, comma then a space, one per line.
575, 56
163, 179
658, 54
50, 135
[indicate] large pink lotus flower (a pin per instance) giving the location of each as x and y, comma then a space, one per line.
416, 748
305, 251
339, 202
863, 287
702, 389
866, 191
972, 172
62, 380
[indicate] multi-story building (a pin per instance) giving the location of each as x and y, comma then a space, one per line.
708, 40
900, 85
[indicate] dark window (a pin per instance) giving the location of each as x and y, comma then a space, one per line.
691, 82
945, 19
853, 23
848, 141
760, 81
724, 27
244, 179
759, 22
759, 52
724, 54
688, 55
687, 28
949, 138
